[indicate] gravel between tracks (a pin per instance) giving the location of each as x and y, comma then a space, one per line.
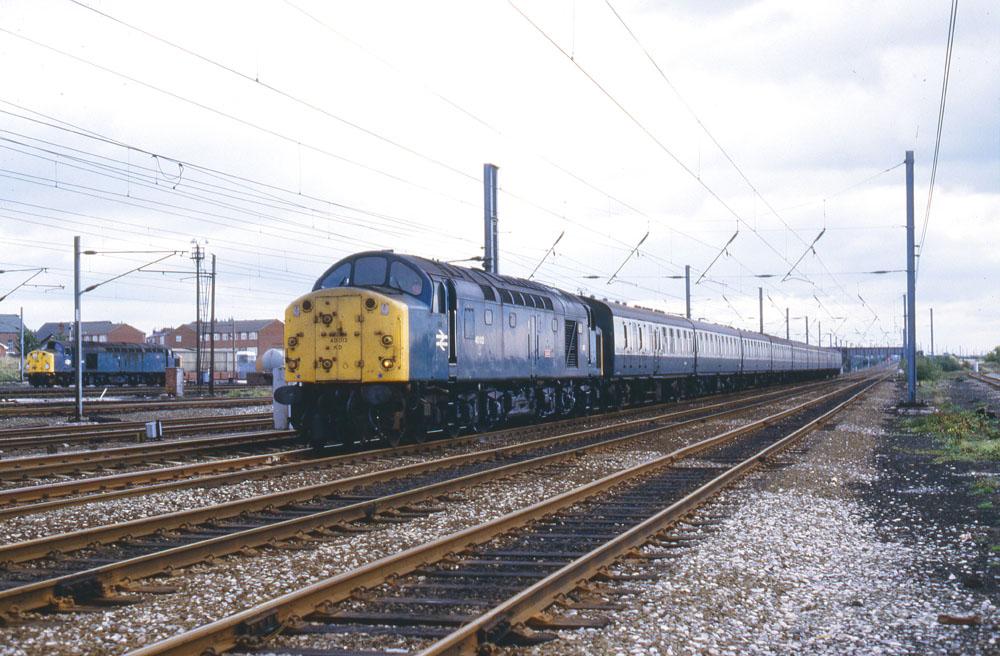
798, 563
98, 513
236, 582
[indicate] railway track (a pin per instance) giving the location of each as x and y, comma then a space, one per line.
72, 570
42, 409
61, 494
51, 437
24, 392
89, 462
485, 584
988, 380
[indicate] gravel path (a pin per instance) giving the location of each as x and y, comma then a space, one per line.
804, 559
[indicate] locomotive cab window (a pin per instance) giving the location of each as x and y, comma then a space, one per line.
369, 271
339, 277
404, 278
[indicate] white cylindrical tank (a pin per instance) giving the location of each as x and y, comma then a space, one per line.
272, 359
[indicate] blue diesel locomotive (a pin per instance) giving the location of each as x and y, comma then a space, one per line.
105, 363
388, 346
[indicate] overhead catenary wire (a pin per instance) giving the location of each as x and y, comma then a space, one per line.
642, 127
940, 125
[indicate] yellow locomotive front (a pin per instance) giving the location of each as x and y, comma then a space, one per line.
346, 335
347, 365
40, 366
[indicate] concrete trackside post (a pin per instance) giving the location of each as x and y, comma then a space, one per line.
280, 411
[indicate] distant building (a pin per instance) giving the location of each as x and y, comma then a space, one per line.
93, 331
254, 336
238, 344
159, 336
10, 333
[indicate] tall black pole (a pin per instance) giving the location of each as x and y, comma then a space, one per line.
77, 333
807, 328
911, 288
211, 342
687, 290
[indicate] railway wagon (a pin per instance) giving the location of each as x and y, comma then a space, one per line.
107, 363
388, 346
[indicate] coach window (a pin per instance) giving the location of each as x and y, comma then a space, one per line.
369, 271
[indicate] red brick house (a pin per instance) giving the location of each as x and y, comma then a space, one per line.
10, 333
93, 331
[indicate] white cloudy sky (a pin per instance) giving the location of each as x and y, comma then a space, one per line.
287, 134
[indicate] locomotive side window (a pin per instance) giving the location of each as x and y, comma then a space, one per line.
512, 320
488, 317
439, 299
369, 271
338, 277
405, 279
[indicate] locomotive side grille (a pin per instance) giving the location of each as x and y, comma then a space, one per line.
572, 344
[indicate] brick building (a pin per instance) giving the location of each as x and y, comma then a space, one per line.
238, 344
255, 336
93, 331
10, 333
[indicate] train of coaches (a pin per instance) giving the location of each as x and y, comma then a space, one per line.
389, 346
